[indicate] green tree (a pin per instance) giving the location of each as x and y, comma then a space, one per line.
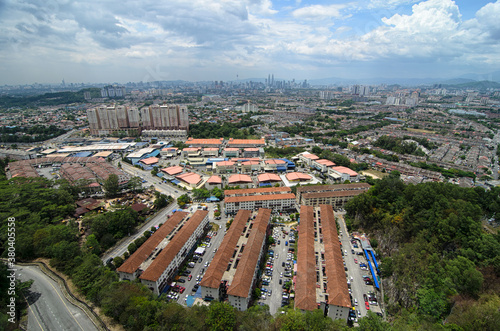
183, 200
92, 245
111, 186
221, 316
134, 183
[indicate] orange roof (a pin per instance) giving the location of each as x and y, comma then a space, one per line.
251, 149
173, 170
250, 163
297, 176
305, 286
268, 178
237, 178
214, 180
150, 160
218, 266
325, 162
210, 149
190, 178
246, 142
242, 280
166, 256
338, 292
141, 254
231, 149
224, 164
345, 170
169, 149
310, 156
260, 197
274, 161
192, 141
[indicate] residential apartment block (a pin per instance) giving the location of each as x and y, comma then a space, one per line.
334, 195
159, 258
105, 120
321, 281
233, 273
276, 202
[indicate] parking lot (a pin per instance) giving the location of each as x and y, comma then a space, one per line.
278, 270
357, 273
194, 271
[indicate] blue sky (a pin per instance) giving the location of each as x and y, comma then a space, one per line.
148, 40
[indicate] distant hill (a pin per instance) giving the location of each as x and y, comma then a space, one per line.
482, 85
455, 81
47, 99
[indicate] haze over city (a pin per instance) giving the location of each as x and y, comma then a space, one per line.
121, 41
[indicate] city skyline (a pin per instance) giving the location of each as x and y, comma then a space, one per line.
230, 40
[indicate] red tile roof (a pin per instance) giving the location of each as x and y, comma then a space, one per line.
242, 280
190, 178
274, 161
246, 142
141, 254
325, 162
338, 292
166, 256
214, 180
345, 170
173, 170
268, 178
192, 141
297, 176
238, 178
310, 156
224, 164
218, 266
150, 160
305, 287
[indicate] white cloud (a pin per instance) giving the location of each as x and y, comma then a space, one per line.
319, 12
227, 35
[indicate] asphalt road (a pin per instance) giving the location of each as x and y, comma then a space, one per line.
48, 308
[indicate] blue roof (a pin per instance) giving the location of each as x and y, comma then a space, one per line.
154, 153
83, 154
160, 174
212, 198
142, 143
175, 181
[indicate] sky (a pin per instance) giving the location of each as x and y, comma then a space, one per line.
95, 41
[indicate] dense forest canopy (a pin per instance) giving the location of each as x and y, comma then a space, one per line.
435, 254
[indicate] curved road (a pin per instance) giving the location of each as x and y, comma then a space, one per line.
48, 309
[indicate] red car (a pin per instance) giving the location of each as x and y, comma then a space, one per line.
182, 289
356, 261
367, 305
190, 276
